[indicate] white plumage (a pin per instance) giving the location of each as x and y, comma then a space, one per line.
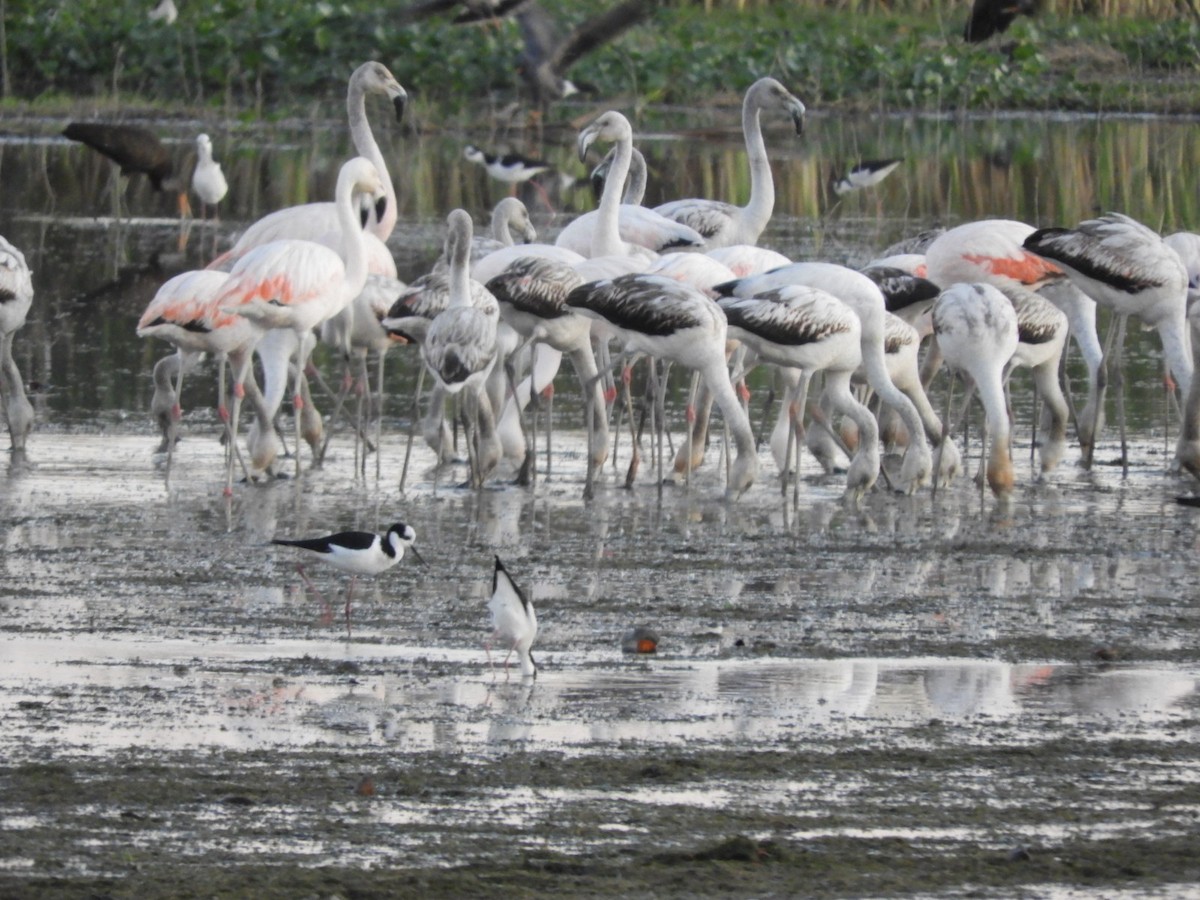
313, 220
514, 621
976, 328
722, 223
16, 297
208, 181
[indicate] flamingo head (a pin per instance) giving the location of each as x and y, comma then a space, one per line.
610, 126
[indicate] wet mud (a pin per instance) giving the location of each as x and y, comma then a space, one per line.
926, 696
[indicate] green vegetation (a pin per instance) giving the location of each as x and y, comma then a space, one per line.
274, 57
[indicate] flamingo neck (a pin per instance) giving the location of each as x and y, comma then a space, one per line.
757, 212
366, 145
995, 408
354, 245
716, 377
635, 188
501, 231
881, 383
1177, 349
459, 279
606, 241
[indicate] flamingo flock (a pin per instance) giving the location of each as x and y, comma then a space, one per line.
682, 285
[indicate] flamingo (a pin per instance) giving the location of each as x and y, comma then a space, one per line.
1189, 437
746, 259
636, 224
185, 313
976, 328
863, 296
1125, 266
612, 127
532, 294
16, 297
723, 224
1041, 336
311, 221
298, 284
668, 319
1187, 245
993, 251
805, 328
459, 349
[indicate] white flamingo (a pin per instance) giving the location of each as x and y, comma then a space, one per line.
636, 224
16, 297
311, 221
1127, 267
297, 284
976, 328
668, 319
459, 349
805, 328
722, 224
863, 296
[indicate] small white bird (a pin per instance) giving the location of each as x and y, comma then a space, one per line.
357, 552
208, 181
513, 620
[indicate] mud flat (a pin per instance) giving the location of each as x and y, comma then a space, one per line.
922, 697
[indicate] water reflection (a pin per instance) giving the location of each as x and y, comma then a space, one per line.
93, 279
191, 695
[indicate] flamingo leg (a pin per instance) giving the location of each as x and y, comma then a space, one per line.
412, 425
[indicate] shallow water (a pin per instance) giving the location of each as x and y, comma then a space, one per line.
924, 694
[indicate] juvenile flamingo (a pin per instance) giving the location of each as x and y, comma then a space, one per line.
722, 224
459, 349
1129, 268
976, 328
668, 319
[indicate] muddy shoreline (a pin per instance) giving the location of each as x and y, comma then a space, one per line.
922, 697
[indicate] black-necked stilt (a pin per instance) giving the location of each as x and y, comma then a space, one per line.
511, 168
865, 174
513, 620
357, 552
